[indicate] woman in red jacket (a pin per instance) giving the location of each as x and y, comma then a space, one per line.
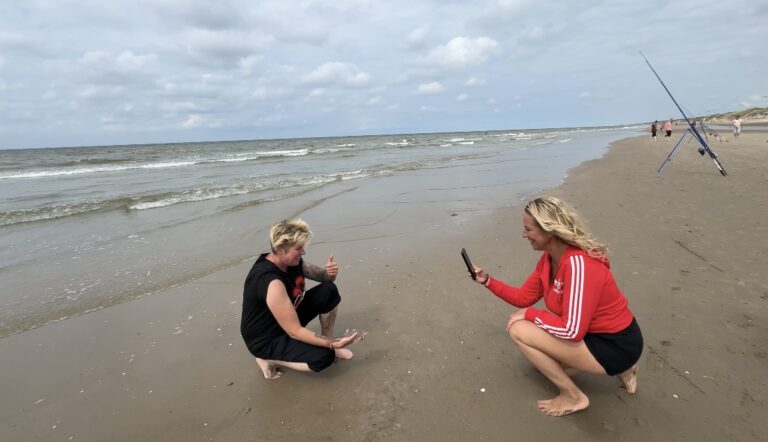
587, 326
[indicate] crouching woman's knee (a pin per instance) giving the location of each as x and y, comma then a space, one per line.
329, 286
519, 331
328, 291
322, 360
323, 297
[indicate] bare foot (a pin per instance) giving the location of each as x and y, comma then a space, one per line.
343, 353
629, 380
270, 371
563, 405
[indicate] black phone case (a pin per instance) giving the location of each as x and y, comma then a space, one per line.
468, 262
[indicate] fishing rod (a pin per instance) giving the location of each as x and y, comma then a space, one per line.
706, 130
699, 124
691, 128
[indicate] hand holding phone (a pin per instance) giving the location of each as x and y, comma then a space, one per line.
468, 263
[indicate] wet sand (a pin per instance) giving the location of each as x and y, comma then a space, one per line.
687, 248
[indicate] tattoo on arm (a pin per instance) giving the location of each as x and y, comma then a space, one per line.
315, 273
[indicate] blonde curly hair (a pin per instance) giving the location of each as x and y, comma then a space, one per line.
555, 217
289, 233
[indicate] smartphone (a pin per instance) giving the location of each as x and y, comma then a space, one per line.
470, 267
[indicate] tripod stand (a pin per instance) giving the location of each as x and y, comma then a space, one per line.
690, 131
694, 134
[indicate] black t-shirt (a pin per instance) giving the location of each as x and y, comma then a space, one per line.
257, 324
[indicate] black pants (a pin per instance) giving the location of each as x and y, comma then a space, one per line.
616, 352
318, 300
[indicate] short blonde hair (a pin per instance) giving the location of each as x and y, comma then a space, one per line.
555, 217
289, 233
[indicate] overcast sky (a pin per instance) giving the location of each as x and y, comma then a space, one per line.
90, 72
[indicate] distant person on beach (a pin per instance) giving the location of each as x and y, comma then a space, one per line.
276, 308
736, 127
668, 129
587, 326
654, 128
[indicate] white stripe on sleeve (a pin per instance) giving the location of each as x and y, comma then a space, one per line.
574, 305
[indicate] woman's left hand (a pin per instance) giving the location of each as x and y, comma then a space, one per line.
516, 316
349, 338
331, 268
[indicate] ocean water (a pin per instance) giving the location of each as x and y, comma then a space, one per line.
83, 228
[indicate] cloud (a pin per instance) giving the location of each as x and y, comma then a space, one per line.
505, 10
461, 52
755, 100
212, 93
177, 106
319, 92
101, 70
128, 61
474, 81
226, 48
249, 64
266, 120
430, 88
193, 120
337, 74
96, 91
66, 65
21, 44
584, 95
310, 34
417, 39
261, 93
202, 14
12, 40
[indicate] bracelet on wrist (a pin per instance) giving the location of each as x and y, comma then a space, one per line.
487, 278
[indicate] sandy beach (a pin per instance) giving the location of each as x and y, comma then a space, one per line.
688, 249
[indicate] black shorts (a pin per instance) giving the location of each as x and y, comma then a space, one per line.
616, 352
668, 134
320, 299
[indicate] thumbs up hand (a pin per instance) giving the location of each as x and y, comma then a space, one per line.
331, 268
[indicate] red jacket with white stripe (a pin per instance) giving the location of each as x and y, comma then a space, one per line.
583, 297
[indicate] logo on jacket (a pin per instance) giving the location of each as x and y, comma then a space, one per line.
557, 287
